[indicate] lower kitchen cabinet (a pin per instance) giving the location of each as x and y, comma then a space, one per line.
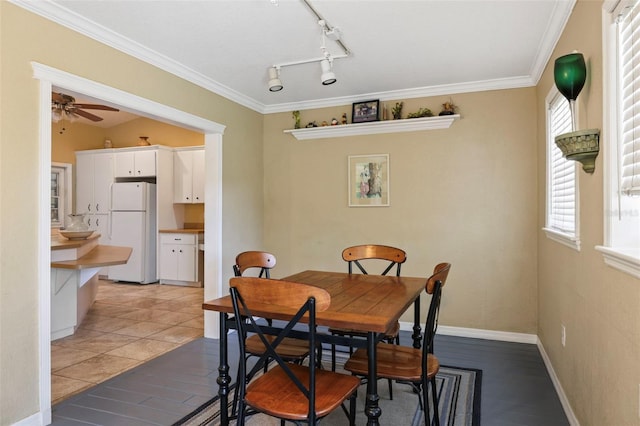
181, 262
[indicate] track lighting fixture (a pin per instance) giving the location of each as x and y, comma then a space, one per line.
327, 76
275, 84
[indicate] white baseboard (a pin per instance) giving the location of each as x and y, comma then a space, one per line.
37, 419
571, 417
476, 333
505, 336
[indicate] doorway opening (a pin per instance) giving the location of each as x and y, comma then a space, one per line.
49, 77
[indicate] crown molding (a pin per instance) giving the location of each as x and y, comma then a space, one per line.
419, 92
560, 16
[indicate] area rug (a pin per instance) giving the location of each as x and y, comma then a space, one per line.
458, 389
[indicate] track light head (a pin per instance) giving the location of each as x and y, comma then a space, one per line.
275, 85
328, 77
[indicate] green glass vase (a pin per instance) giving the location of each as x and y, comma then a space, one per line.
570, 73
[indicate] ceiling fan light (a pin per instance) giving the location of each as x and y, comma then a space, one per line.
275, 85
56, 114
71, 117
328, 77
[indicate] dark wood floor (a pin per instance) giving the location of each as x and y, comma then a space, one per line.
516, 388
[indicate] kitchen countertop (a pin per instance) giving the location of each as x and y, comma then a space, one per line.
182, 231
58, 242
99, 257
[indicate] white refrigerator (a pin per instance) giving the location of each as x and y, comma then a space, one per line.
133, 224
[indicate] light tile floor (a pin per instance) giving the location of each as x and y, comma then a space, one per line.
127, 325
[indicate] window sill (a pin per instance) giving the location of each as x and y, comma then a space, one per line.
625, 260
568, 240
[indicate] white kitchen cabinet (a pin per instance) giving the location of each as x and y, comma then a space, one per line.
132, 163
100, 224
94, 176
189, 178
180, 261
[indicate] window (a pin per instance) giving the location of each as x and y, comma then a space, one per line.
60, 193
621, 54
562, 208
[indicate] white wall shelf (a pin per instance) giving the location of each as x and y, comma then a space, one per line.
375, 127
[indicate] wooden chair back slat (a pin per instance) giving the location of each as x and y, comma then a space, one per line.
254, 259
440, 273
281, 293
395, 256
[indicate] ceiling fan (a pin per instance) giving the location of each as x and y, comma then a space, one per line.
65, 107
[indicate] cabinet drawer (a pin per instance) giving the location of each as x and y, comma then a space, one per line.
178, 238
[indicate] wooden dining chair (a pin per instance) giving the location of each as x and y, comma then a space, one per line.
287, 391
254, 259
357, 255
417, 367
293, 350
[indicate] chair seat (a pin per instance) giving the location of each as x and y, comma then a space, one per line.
394, 362
289, 349
275, 394
390, 334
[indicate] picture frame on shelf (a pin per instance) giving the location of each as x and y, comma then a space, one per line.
368, 177
363, 112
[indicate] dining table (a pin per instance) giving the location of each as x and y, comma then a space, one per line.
366, 303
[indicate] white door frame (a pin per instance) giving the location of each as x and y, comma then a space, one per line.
212, 131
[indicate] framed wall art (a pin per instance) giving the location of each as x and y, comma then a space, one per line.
363, 112
368, 180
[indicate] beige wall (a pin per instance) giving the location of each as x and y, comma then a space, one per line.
127, 134
79, 136
67, 138
599, 306
20, 44
466, 195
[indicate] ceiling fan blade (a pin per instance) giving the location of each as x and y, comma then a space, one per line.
93, 106
86, 114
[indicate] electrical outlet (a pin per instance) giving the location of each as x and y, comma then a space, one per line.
564, 335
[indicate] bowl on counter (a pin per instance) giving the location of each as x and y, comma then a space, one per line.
76, 235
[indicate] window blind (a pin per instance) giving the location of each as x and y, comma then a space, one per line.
562, 215
629, 64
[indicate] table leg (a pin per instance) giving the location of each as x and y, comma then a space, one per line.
416, 324
223, 372
372, 410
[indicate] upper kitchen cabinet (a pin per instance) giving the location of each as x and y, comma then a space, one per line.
188, 169
135, 163
94, 176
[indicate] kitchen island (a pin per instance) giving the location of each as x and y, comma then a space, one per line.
74, 278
